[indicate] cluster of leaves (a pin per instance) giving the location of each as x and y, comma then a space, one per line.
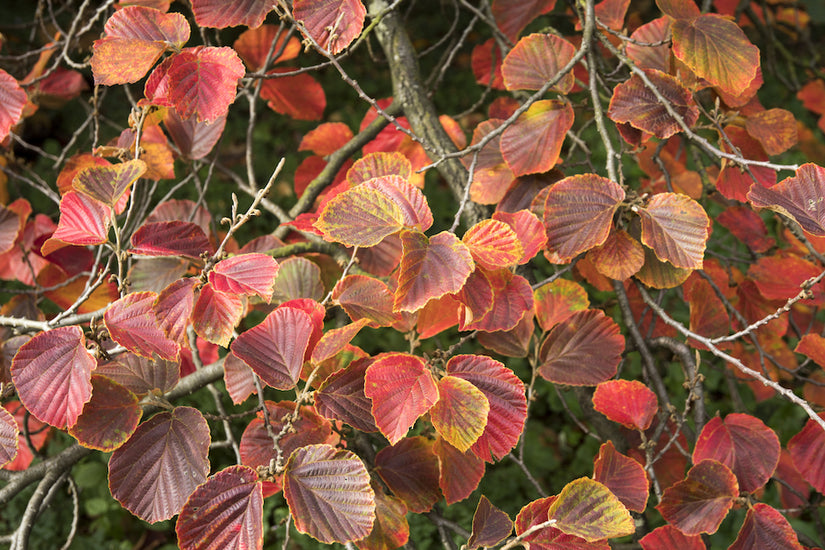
616, 211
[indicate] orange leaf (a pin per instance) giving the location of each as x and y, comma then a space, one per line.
676, 228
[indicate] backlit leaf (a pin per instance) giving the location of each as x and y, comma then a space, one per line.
557, 300
628, 402
528, 228
699, 503
109, 418
216, 314
775, 129
430, 267
390, 529
676, 228
131, 323
781, 276
275, 348
799, 197
490, 525
410, 470
533, 142
342, 397
401, 389
333, 24
215, 13
254, 44
299, 96
667, 536
173, 308
364, 297
747, 226
587, 509
203, 81
361, 216
550, 538
633, 102
460, 414
505, 395
108, 183
537, 58
807, 450
583, 350
486, 64
12, 100
656, 273
620, 257
459, 473
765, 527
83, 221
578, 213
163, 462
492, 176
742, 443
195, 139
176, 238
374, 165
140, 375
225, 512
251, 274
327, 138
8, 437
329, 495
513, 15
625, 477
52, 375
512, 299
493, 244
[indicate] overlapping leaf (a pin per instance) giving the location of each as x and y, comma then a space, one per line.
583, 350
12, 100
216, 314
628, 402
83, 221
536, 59
430, 267
275, 348
298, 278
410, 200
765, 527
225, 512
401, 389
620, 257
342, 397
374, 165
667, 537
361, 216
173, 308
557, 300
329, 495
623, 476
634, 103
298, 96
459, 473
109, 418
163, 462
107, 184
195, 139
513, 15
549, 538
460, 414
131, 323
676, 228
578, 213
747, 226
52, 375
333, 24
512, 300
250, 274
529, 230
807, 450
492, 176
214, 13
365, 297
176, 238
390, 529
533, 142
587, 509
490, 525
8, 437
410, 470
140, 375
775, 129
699, 503
799, 197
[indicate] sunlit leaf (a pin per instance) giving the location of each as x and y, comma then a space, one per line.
625, 477
329, 495
459, 473
361, 216
781, 276
131, 323
676, 228
492, 175
578, 213
365, 297
513, 15
651, 57
299, 96
668, 536
374, 165
775, 129
620, 257
512, 300
700, 503
254, 44
38, 434
173, 308
557, 300
216, 314
490, 525
12, 100
107, 184
533, 142
807, 449
410, 470
505, 395
537, 58
583, 350
176, 238
333, 24
163, 462
140, 375
390, 529
225, 512
83, 221
633, 102
275, 348
195, 139
510, 343
297, 278
251, 274
529, 230
486, 64
430, 267
460, 414
765, 527
109, 418
215, 13
587, 509
799, 197
401, 389
628, 402
550, 538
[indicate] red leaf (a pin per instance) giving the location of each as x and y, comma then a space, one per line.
225, 512
512, 299
375, 165
812, 345
765, 527
537, 58
623, 476
298, 96
246, 274
700, 503
587, 509
410, 470
401, 389
83, 221
490, 525
326, 138
578, 213
628, 402
109, 418
239, 378
163, 462
645, 56
807, 450
633, 102
218, 14
335, 340
9, 437
38, 435
173, 308
505, 395
12, 100
486, 64
342, 397
775, 129
140, 375
513, 15
529, 230
329, 495
668, 537
550, 538
333, 24
459, 473
216, 314
410, 200
275, 348
492, 176
510, 343
533, 142
361, 216
390, 529
676, 228
170, 239
134, 39
364, 297
799, 197
460, 414
131, 323
194, 138
584, 350
746, 226
430, 267
52, 373
780, 277
557, 301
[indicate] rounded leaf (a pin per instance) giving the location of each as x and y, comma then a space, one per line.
628, 402
250, 274
807, 450
634, 103
587, 509
333, 24
625, 477
109, 418
410, 469
219, 14
361, 216
537, 58
799, 197
12, 100
676, 228
460, 414
765, 527
533, 142
8, 437
131, 323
